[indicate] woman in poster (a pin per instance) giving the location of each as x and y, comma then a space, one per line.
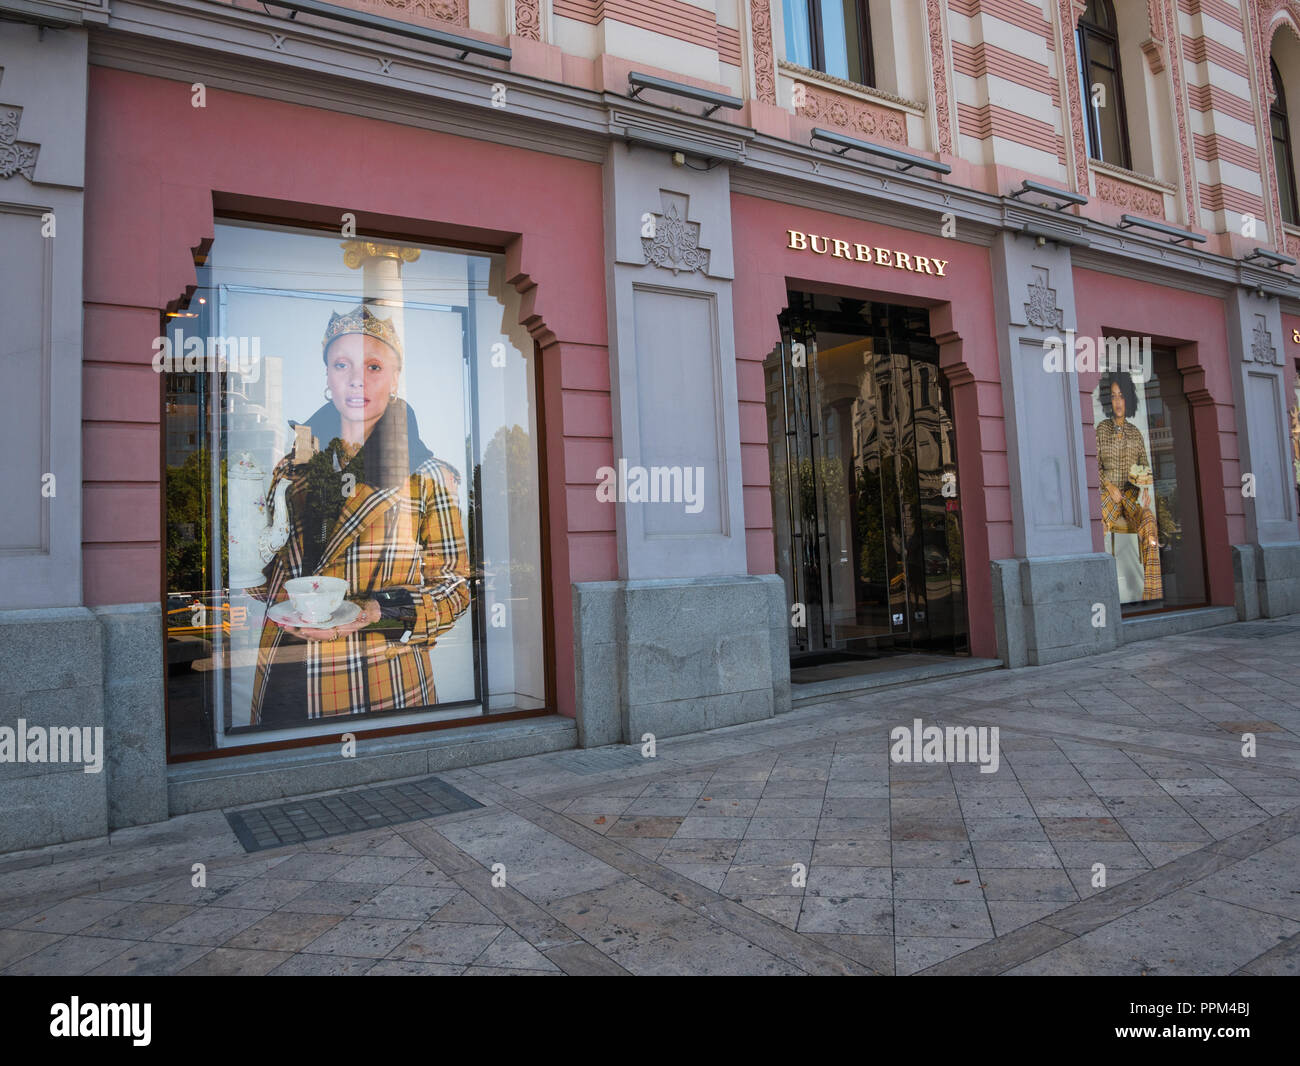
367, 502
1126, 481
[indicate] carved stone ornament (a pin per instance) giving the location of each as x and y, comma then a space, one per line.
760, 21
675, 245
453, 11
1041, 309
1130, 197
824, 105
528, 19
16, 157
1261, 346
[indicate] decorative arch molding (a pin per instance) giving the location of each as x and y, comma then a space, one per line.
1286, 17
1266, 19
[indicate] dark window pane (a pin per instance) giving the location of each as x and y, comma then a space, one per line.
1105, 111
1283, 158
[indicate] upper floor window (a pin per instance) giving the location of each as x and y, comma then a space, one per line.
833, 36
1282, 157
1102, 85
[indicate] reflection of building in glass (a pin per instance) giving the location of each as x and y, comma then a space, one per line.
1295, 436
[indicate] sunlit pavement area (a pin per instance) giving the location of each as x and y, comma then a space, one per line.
689, 863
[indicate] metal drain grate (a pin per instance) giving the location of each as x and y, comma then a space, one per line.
1255, 631
346, 812
597, 762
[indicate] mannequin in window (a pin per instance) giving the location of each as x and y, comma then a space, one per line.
1125, 476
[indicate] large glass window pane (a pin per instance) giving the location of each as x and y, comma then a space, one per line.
798, 32
842, 40
352, 495
1146, 464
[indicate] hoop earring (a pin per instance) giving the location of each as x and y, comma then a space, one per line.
328, 394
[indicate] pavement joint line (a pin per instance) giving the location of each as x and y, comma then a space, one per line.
217, 865
651, 776
999, 955
1287, 949
588, 788
523, 916
1254, 765
760, 931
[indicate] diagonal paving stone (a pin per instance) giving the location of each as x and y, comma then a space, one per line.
790, 845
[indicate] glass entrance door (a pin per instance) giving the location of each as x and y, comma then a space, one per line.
867, 518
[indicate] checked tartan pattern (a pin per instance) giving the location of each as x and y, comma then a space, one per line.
1118, 449
409, 537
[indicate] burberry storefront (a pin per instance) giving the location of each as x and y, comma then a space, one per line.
385, 433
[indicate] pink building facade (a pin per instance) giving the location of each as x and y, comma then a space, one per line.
678, 363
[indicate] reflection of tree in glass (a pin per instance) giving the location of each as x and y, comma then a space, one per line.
954, 543
831, 472
188, 518
508, 481
1166, 510
871, 527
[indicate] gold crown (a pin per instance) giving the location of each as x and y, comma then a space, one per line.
362, 320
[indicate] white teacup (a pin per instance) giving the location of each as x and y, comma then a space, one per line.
316, 598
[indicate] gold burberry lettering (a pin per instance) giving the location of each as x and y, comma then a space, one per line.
865, 253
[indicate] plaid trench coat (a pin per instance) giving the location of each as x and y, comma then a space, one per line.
409, 537
1118, 449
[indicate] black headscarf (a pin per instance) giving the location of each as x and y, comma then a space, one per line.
392, 452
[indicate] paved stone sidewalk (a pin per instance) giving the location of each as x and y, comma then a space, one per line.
684, 864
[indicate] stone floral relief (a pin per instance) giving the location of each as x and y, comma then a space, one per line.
1129, 197
455, 12
847, 113
1040, 308
16, 157
675, 242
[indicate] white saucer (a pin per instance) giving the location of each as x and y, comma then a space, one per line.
285, 615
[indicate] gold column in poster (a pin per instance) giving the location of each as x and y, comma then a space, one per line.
381, 287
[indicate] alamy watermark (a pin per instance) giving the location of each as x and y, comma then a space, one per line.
179, 354
1093, 355
656, 484
75, 1018
932, 743
42, 744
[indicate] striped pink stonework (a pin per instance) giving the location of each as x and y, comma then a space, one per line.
1212, 98
984, 58
1220, 197
1017, 12
989, 120
729, 46
1214, 146
672, 18
1204, 50
1219, 10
